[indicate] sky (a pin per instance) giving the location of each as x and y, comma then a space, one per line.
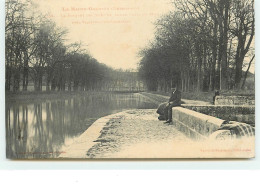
113, 31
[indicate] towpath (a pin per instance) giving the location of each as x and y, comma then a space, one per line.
130, 134
139, 134
161, 98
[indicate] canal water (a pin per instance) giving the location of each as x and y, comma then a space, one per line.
42, 129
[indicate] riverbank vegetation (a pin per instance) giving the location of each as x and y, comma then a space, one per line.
202, 46
38, 57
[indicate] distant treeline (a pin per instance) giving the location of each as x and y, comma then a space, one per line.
36, 52
202, 46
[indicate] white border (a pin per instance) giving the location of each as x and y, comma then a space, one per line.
145, 165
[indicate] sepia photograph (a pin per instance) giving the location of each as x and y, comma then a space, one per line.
127, 79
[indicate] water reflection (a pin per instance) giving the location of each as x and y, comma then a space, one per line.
39, 130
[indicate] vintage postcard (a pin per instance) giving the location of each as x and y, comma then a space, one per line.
127, 79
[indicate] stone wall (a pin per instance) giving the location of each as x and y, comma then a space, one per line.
235, 100
194, 124
238, 113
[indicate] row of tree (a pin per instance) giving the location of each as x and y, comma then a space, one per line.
37, 53
203, 45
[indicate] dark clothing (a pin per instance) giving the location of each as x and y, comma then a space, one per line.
214, 97
175, 100
161, 110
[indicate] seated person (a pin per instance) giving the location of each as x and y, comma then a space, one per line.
214, 97
175, 100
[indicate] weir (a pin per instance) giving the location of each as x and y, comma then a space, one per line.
199, 121
240, 113
137, 133
194, 124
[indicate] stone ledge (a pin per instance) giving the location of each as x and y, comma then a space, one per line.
234, 109
235, 100
195, 124
240, 113
78, 149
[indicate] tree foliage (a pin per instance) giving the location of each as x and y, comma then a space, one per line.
37, 53
200, 46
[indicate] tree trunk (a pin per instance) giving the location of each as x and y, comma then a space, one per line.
224, 67
53, 84
8, 77
214, 58
25, 72
249, 65
199, 74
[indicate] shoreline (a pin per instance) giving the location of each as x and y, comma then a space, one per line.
138, 134
87, 139
34, 96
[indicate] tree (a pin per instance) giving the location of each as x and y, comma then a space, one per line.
244, 31
198, 45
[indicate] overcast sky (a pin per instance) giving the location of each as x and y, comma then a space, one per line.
115, 44
113, 31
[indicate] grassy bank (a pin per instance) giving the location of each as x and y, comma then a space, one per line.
201, 96
207, 96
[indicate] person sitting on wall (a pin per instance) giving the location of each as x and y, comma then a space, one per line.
214, 97
175, 100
